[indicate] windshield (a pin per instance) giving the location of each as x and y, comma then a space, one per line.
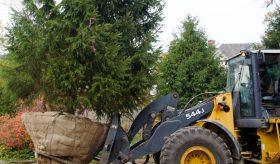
240, 80
234, 73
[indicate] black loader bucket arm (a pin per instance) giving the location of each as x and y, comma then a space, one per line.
117, 146
183, 119
144, 119
147, 115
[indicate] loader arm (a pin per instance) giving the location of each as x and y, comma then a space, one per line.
166, 128
147, 115
117, 141
117, 147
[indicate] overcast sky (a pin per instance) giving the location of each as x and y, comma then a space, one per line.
226, 21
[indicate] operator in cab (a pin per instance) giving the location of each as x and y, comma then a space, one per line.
269, 81
266, 83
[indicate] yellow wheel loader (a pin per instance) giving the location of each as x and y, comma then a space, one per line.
236, 126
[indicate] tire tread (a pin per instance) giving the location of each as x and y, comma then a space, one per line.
174, 141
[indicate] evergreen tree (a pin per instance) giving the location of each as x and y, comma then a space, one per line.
86, 54
272, 33
190, 67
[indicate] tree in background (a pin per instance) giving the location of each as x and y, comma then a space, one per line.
190, 67
272, 33
85, 54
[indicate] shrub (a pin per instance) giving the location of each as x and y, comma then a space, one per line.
15, 143
12, 132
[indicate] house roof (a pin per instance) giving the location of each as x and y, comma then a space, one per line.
231, 50
269, 51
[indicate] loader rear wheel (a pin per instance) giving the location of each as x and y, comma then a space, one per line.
195, 145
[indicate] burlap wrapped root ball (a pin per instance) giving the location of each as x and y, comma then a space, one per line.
65, 135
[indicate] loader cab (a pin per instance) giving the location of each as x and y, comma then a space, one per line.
254, 102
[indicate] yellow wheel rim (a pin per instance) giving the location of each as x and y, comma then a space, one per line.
198, 155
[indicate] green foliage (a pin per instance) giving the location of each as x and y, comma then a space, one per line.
190, 67
8, 98
272, 33
14, 154
274, 72
85, 54
7, 102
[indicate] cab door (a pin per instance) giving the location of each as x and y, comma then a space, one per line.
243, 81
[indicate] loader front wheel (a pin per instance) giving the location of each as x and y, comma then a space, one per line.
195, 145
